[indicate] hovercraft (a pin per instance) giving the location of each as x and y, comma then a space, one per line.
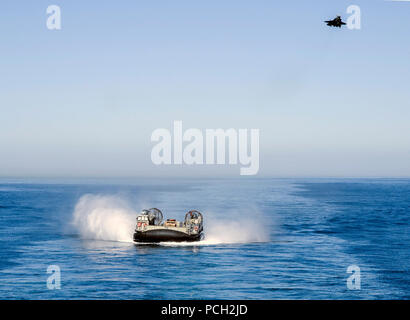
150, 227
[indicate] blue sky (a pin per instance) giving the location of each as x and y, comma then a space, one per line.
84, 100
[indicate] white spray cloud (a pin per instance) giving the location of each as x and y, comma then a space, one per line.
104, 218
242, 230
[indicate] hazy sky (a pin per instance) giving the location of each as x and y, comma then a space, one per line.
84, 100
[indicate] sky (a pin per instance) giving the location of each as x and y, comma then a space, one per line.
83, 101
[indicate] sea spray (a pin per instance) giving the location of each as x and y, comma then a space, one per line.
243, 230
102, 217
111, 218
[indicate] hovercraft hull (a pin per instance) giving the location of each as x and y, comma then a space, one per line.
165, 235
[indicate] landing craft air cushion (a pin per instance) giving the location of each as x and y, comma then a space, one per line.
150, 227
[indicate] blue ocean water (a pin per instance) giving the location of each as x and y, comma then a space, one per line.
265, 239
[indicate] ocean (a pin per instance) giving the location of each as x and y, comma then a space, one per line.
264, 239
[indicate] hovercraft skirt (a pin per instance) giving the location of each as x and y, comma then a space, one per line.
164, 235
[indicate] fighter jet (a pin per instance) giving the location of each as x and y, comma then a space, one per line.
336, 22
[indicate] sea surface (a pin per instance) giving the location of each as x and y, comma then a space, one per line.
264, 239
